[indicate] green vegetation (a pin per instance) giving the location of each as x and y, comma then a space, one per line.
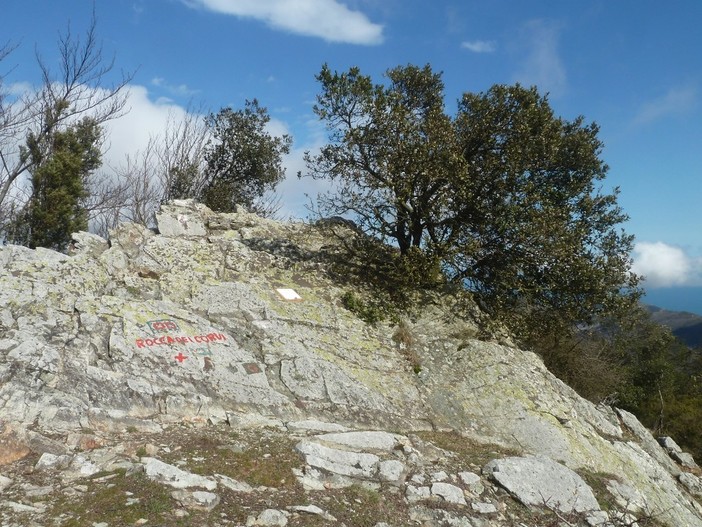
404, 339
365, 311
126, 500
60, 164
634, 364
48, 187
503, 198
243, 161
269, 463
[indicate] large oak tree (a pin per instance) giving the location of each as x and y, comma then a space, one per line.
505, 194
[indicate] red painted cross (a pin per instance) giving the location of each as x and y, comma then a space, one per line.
180, 357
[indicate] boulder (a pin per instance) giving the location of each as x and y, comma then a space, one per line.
542, 482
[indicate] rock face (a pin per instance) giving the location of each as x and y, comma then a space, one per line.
231, 322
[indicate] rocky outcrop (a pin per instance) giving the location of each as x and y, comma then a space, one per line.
144, 361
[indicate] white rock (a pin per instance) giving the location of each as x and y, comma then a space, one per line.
173, 476
599, 519
685, 459
669, 444
313, 509
391, 470
483, 508
352, 464
233, 484
542, 482
312, 425
269, 518
182, 224
472, 482
417, 493
448, 492
199, 500
365, 440
627, 497
439, 476
418, 479
4, 482
691, 482
52, 461
21, 507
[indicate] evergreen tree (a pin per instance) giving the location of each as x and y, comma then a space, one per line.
60, 164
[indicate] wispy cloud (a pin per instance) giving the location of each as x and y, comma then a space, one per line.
664, 265
676, 101
326, 19
480, 46
180, 90
542, 65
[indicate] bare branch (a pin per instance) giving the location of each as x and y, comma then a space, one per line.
79, 89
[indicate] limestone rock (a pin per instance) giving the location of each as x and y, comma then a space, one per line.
4, 482
448, 492
483, 508
542, 482
314, 510
232, 484
352, 464
365, 440
391, 471
269, 518
199, 500
125, 340
173, 476
472, 482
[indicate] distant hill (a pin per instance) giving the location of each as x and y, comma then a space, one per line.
686, 326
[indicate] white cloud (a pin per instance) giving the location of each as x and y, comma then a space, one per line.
326, 19
665, 265
676, 102
480, 46
17, 89
149, 118
543, 66
145, 119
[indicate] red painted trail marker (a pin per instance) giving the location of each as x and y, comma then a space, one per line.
180, 357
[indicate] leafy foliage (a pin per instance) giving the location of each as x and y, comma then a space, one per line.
503, 195
539, 243
50, 122
636, 364
393, 154
243, 160
60, 164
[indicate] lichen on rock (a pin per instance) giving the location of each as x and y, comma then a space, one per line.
184, 326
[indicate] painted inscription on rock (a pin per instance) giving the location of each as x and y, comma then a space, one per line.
162, 326
180, 339
166, 333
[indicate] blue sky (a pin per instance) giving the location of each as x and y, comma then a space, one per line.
632, 66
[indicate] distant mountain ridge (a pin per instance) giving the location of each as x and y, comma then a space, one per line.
686, 326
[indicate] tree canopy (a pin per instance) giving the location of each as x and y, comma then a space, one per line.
42, 131
59, 178
242, 159
504, 193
